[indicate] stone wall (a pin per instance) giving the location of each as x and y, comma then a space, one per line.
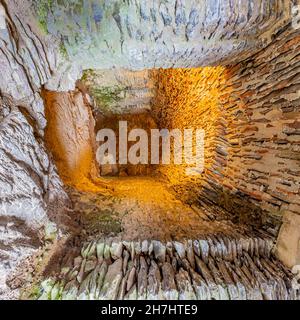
261, 102
32, 197
190, 98
250, 112
69, 135
28, 179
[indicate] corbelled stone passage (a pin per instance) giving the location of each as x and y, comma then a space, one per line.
122, 95
74, 229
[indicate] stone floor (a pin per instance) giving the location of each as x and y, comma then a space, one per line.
138, 208
139, 242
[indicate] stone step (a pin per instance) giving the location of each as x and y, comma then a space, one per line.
121, 78
133, 107
136, 100
130, 101
213, 268
141, 94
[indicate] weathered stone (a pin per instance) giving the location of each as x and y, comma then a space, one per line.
24, 169
100, 250
141, 26
197, 248
150, 250
231, 287
81, 272
101, 277
154, 282
190, 253
69, 120
131, 294
169, 249
122, 289
113, 278
70, 291
94, 282
125, 261
200, 287
85, 250
131, 278
288, 242
180, 249
142, 279
50, 231
159, 251
222, 287
169, 289
206, 274
145, 246
137, 248
252, 277
90, 265
249, 111
106, 253
46, 286
83, 291
116, 250
204, 250
130, 247
183, 281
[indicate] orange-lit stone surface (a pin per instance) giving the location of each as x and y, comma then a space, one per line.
70, 137
190, 98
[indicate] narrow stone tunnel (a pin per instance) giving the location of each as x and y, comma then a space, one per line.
74, 228
140, 198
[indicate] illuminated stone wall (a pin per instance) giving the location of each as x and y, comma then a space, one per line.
250, 112
190, 98
69, 136
261, 101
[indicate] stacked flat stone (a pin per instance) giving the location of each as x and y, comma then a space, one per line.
211, 268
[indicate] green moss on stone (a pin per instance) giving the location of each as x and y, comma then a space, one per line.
42, 9
35, 292
63, 51
106, 96
87, 75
